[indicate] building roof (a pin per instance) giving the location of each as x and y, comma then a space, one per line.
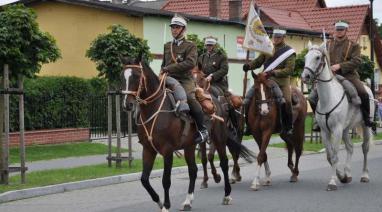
156, 5
286, 18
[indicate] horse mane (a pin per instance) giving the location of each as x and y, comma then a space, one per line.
151, 78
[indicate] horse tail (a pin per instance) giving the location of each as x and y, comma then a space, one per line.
239, 149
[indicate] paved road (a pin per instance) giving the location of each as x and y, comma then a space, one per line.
307, 195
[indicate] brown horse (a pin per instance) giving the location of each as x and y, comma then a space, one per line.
263, 119
222, 135
161, 131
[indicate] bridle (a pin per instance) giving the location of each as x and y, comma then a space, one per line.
160, 91
316, 73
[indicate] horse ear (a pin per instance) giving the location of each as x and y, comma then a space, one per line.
254, 75
323, 46
310, 44
140, 57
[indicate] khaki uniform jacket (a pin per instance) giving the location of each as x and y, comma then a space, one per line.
282, 71
348, 55
217, 65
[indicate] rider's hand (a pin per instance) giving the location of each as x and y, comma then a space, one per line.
246, 67
335, 67
209, 78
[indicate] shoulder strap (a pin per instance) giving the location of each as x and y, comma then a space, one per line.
347, 51
172, 54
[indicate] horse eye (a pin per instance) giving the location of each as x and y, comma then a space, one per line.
318, 57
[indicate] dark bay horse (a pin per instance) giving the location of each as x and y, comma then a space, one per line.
263, 118
220, 137
161, 131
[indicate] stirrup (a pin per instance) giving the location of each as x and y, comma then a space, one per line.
201, 137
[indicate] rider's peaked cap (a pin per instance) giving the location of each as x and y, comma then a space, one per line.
210, 40
278, 32
341, 24
178, 20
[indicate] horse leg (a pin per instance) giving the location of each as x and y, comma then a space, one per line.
189, 153
290, 164
211, 156
166, 180
224, 166
365, 149
346, 177
267, 180
298, 147
262, 141
148, 162
203, 152
332, 147
235, 175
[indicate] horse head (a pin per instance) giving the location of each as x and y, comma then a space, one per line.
138, 80
314, 62
263, 94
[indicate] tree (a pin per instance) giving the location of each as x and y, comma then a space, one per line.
300, 63
107, 51
22, 45
366, 69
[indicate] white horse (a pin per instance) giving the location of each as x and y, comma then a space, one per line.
335, 115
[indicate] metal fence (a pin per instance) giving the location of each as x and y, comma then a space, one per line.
98, 119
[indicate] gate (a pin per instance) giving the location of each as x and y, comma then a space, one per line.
98, 119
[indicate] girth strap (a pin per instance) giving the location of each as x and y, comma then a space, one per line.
328, 113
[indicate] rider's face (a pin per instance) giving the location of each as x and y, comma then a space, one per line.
175, 30
340, 33
277, 39
210, 48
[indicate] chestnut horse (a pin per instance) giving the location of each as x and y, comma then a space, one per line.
263, 119
161, 131
222, 135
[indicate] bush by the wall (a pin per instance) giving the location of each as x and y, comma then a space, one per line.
56, 102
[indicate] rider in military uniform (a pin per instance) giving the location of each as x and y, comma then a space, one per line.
214, 65
179, 58
345, 59
280, 74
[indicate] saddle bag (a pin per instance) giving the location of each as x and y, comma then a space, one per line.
205, 101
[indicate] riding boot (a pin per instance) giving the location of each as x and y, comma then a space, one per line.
365, 109
286, 119
197, 113
247, 129
315, 126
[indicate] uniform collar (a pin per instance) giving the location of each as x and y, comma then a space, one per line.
178, 41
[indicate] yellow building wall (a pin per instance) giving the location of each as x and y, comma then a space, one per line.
74, 28
364, 43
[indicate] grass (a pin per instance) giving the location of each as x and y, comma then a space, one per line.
315, 147
48, 152
57, 176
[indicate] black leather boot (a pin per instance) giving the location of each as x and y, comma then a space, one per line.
247, 129
315, 127
196, 112
365, 109
286, 120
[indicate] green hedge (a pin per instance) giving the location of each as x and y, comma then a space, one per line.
57, 102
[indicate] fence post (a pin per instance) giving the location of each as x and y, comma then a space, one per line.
109, 125
2, 141
21, 120
118, 120
5, 144
130, 131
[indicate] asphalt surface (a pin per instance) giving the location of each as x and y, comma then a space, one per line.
307, 195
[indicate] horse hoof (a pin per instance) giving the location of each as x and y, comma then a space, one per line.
267, 183
331, 187
217, 178
204, 185
164, 210
232, 181
364, 180
293, 179
187, 207
254, 187
227, 200
346, 179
